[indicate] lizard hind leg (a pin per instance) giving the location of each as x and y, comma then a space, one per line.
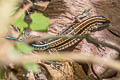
85, 13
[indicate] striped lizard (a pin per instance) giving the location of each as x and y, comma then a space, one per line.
80, 28
92, 24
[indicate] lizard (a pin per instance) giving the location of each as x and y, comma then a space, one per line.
92, 24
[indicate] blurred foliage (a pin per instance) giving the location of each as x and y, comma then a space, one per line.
31, 67
20, 23
1, 73
39, 22
24, 47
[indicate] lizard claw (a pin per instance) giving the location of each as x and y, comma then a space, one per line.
56, 66
100, 47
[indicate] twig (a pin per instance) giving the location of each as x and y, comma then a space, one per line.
64, 56
22, 11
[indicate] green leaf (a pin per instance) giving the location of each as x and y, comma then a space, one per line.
20, 23
31, 67
39, 22
21, 31
24, 47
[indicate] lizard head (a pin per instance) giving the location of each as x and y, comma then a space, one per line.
100, 24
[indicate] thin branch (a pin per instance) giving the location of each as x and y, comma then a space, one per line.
64, 56
22, 11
